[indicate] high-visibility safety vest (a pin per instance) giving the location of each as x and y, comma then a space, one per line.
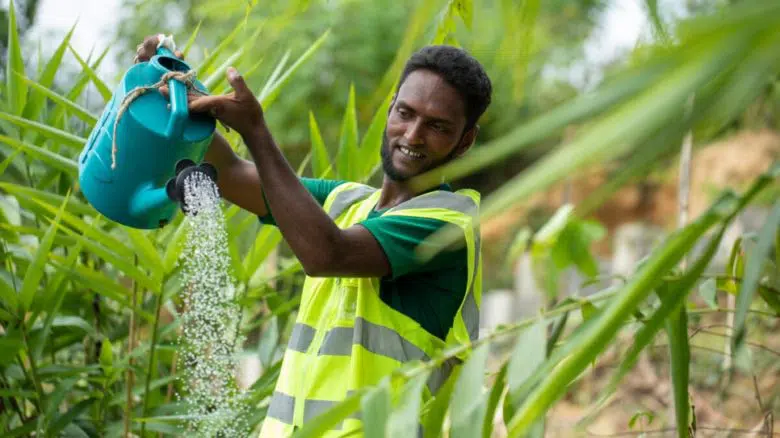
346, 337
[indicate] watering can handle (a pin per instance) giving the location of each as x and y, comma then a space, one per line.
178, 101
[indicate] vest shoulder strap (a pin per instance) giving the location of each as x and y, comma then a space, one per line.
344, 196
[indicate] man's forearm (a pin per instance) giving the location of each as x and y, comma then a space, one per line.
237, 178
311, 234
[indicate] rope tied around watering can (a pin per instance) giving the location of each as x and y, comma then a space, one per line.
187, 78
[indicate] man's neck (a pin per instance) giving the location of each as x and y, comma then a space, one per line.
393, 193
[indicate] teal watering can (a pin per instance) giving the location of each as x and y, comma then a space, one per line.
136, 179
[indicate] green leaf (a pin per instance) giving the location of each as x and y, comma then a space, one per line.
433, 419
495, 397
329, 419
680, 358
101, 86
465, 9
771, 298
10, 345
16, 90
73, 205
755, 261
8, 296
346, 156
106, 354
528, 353
191, 40
320, 161
613, 316
272, 90
638, 416
468, 413
37, 99
147, 253
375, 408
404, 420
67, 418
34, 274
371, 145
73, 322
52, 158
588, 309
204, 66
708, 291
63, 102
175, 247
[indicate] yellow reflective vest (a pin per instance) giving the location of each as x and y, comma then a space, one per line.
346, 337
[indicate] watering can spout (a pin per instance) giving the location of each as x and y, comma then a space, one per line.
185, 169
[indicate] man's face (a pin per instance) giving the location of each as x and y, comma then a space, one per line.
424, 126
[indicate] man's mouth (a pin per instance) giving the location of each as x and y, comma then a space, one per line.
410, 153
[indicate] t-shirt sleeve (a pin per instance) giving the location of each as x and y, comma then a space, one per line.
318, 188
400, 237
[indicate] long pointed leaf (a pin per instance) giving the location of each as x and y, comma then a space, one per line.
101, 86
191, 40
404, 420
74, 205
77, 110
15, 89
46, 78
320, 160
64, 137
271, 93
371, 144
32, 278
755, 260
52, 158
204, 66
147, 253
468, 412
346, 157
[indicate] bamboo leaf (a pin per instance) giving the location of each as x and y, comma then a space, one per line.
755, 261
270, 93
73, 205
529, 352
404, 420
433, 420
468, 414
37, 98
204, 66
34, 274
320, 161
191, 40
465, 9
679, 352
375, 408
8, 296
52, 158
77, 110
175, 247
16, 90
371, 145
101, 86
8, 160
495, 396
330, 418
147, 253
605, 328
708, 291
347, 153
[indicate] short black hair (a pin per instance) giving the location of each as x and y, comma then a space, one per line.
460, 70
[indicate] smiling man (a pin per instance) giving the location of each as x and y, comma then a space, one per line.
369, 303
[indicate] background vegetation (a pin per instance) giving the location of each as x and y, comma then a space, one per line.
89, 310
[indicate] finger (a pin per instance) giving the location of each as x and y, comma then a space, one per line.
237, 82
207, 104
147, 49
179, 54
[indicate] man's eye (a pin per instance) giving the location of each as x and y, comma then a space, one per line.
403, 113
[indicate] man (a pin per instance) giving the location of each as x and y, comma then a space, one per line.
369, 303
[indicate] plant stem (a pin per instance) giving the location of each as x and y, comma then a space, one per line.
152, 348
130, 345
34, 371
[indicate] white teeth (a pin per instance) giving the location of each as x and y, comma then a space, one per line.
410, 153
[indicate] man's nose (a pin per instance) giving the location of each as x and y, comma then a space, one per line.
414, 131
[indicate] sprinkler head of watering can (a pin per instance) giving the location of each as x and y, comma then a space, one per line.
184, 169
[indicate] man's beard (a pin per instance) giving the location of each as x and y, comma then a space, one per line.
393, 173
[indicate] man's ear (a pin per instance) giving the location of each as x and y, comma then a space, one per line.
467, 140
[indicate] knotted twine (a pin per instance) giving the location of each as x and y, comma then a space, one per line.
187, 78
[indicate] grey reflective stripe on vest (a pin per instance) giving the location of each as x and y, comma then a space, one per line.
301, 337
348, 197
282, 407
440, 199
382, 341
470, 311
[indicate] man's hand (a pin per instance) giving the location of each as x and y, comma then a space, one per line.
238, 110
148, 48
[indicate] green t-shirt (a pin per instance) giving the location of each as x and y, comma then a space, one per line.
430, 292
